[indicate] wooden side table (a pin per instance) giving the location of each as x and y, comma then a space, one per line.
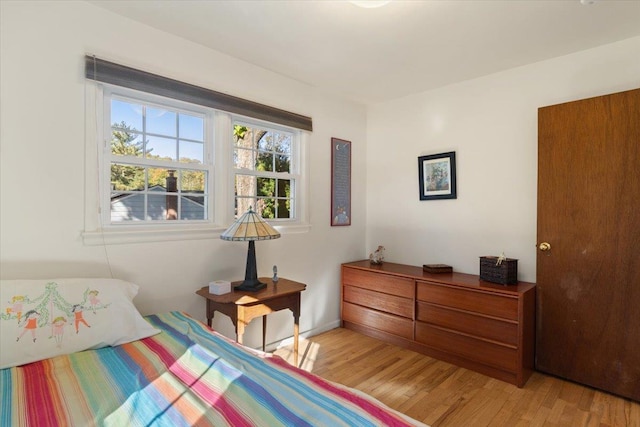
242, 306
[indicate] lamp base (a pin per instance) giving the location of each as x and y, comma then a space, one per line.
251, 282
250, 285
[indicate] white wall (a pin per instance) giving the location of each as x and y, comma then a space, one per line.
42, 137
491, 124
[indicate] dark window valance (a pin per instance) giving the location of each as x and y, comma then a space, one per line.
120, 75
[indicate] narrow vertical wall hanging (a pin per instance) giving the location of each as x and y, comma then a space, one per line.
340, 182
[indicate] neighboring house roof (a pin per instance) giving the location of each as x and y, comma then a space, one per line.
130, 207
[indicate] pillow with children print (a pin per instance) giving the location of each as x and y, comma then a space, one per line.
40, 319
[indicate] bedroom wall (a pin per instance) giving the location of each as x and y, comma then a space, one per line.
491, 124
42, 204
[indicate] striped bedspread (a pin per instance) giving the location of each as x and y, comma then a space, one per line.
186, 375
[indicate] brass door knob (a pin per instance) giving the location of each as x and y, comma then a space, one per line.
544, 246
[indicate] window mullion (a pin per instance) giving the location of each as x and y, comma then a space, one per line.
146, 195
263, 174
105, 176
135, 161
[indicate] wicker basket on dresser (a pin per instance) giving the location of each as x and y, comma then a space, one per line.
454, 317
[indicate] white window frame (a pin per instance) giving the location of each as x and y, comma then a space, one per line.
99, 230
294, 173
108, 157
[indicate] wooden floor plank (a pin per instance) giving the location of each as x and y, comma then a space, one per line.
441, 395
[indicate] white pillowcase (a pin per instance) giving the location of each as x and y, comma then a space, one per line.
40, 319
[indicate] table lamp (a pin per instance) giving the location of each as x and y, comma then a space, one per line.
250, 227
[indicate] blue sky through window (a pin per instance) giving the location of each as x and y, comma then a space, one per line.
177, 136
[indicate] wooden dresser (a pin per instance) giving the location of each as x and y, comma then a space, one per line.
454, 317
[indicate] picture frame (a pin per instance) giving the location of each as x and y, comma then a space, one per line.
437, 176
340, 182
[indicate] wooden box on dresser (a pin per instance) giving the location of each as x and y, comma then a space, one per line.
455, 317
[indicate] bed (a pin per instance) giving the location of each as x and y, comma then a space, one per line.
182, 373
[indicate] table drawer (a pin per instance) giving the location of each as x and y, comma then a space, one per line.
396, 325
378, 282
471, 348
497, 305
383, 302
469, 323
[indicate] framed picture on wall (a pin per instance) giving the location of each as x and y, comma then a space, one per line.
340, 182
437, 176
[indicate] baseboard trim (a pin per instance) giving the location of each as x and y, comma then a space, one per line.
272, 346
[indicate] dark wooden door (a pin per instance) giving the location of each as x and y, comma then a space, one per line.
588, 281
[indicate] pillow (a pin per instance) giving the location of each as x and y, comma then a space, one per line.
40, 319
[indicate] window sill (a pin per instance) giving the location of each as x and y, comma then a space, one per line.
144, 234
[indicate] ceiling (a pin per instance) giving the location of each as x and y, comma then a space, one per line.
372, 55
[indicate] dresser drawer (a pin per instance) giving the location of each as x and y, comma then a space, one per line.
471, 348
497, 305
396, 325
494, 329
378, 282
399, 306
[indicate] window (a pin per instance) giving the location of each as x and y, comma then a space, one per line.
178, 161
157, 162
265, 167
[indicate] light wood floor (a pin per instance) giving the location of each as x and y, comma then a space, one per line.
441, 394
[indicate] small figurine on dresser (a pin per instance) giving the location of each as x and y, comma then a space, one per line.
377, 257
